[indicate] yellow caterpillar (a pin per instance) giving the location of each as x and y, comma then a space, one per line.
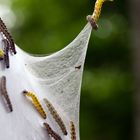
97, 9
36, 103
56, 116
1, 54
72, 131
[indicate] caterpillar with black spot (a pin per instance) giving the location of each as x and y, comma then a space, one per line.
8, 36
5, 93
72, 131
36, 103
51, 132
56, 116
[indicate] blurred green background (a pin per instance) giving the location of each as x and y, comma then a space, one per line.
43, 27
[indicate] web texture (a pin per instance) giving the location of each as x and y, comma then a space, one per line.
56, 77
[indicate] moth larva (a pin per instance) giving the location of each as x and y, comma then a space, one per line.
4, 30
56, 116
36, 103
51, 132
1, 54
5, 93
97, 11
6, 55
72, 131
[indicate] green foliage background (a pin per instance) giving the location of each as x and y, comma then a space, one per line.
106, 103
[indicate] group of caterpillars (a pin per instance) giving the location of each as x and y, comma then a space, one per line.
40, 109
8, 44
54, 114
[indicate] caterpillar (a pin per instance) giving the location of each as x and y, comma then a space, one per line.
72, 131
5, 93
96, 14
36, 103
97, 9
6, 55
8, 36
1, 54
56, 116
51, 132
